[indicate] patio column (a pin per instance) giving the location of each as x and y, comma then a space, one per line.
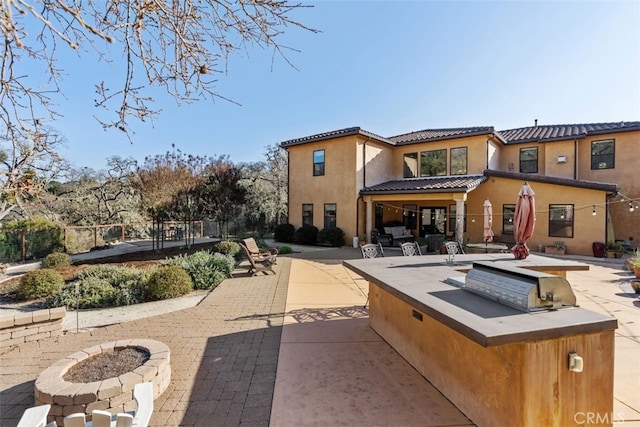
460, 221
368, 223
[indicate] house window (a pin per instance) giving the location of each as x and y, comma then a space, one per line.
410, 165
452, 218
433, 163
508, 212
307, 214
458, 161
529, 160
560, 220
603, 154
410, 216
318, 163
329, 215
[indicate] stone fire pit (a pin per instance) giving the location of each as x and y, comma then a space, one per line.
110, 394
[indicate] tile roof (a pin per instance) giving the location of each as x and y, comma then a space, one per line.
569, 182
438, 134
333, 134
436, 184
538, 133
544, 133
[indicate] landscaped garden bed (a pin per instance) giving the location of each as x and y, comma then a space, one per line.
123, 279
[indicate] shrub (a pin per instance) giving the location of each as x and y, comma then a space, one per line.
116, 276
91, 292
168, 281
284, 249
56, 259
41, 238
206, 270
228, 248
307, 235
39, 283
332, 236
285, 233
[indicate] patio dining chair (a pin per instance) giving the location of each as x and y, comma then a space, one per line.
372, 250
453, 248
410, 249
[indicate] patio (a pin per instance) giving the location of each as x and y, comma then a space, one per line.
295, 348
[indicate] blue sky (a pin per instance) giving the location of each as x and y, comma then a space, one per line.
392, 67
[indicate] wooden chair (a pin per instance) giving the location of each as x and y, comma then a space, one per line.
258, 252
143, 395
258, 263
35, 417
410, 249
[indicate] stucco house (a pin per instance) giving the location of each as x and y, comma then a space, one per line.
436, 181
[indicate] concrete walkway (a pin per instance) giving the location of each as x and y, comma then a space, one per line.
295, 349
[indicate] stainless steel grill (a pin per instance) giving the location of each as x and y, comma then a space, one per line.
520, 288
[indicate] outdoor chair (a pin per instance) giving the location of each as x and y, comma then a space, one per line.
372, 250
453, 248
410, 249
35, 417
257, 252
259, 262
143, 395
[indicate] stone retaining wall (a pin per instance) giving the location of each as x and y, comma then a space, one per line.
29, 326
112, 394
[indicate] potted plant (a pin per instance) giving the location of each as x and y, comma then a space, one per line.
558, 248
636, 268
635, 256
614, 249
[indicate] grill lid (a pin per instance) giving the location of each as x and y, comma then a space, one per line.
520, 288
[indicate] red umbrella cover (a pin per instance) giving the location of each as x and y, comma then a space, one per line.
523, 221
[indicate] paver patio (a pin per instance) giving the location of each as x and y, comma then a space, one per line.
295, 349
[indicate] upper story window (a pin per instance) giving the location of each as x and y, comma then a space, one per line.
433, 163
307, 214
458, 161
603, 154
330, 215
529, 160
560, 220
318, 163
410, 165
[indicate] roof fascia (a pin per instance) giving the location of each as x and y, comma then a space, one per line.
444, 138
578, 183
336, 134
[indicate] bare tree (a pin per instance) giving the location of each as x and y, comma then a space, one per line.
180, 46
27, 164
89, 197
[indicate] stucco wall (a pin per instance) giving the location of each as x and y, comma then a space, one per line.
476, 153
625, 174
501, 191
510, 157
340, 184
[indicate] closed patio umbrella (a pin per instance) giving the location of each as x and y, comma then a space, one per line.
523, 221
488, 222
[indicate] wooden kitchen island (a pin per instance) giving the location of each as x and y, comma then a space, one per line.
500, 366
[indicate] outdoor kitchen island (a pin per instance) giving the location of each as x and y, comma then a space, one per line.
500, 365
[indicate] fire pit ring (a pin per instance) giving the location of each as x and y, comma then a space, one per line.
110, 394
